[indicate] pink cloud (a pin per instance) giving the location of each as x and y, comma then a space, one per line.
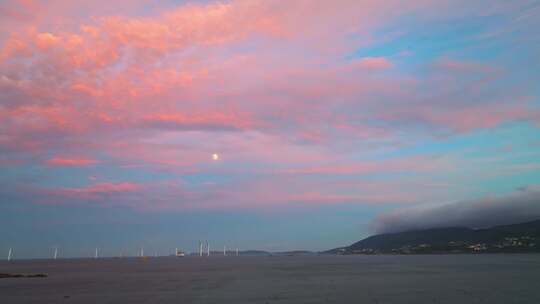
98, 192
481, 117
282, 192
373, 63
412, 164
263, 83
466, 119
204, 121
450, 64
147, 79
70, 162
104, 188
46, 40
317, 198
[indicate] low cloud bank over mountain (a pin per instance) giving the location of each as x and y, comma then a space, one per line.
520, 206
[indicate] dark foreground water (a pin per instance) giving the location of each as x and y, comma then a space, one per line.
315, 279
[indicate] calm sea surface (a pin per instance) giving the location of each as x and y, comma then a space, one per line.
312, 279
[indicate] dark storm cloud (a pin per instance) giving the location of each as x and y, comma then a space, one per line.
520, 206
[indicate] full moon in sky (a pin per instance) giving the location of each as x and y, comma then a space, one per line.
215, 156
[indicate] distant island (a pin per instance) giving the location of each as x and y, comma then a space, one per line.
517, 238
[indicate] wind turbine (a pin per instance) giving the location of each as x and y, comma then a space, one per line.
224, 250
9, 254
55, 252
96, 255
200, 248
207, 248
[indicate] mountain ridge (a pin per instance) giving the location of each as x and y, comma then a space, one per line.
520, 237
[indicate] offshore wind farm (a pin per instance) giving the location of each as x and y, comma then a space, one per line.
203, 249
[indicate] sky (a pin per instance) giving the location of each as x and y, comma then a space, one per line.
331, 121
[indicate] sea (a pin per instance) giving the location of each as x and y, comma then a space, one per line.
462, 278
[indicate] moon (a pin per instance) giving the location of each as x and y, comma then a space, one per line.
215, 156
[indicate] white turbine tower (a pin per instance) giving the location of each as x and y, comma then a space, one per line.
207, 248
55, 253
237, 251
224, 250
142, 252
96, 255
9, 254
200, 248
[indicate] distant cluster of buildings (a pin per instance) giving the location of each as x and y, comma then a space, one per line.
523, 242
508, 244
